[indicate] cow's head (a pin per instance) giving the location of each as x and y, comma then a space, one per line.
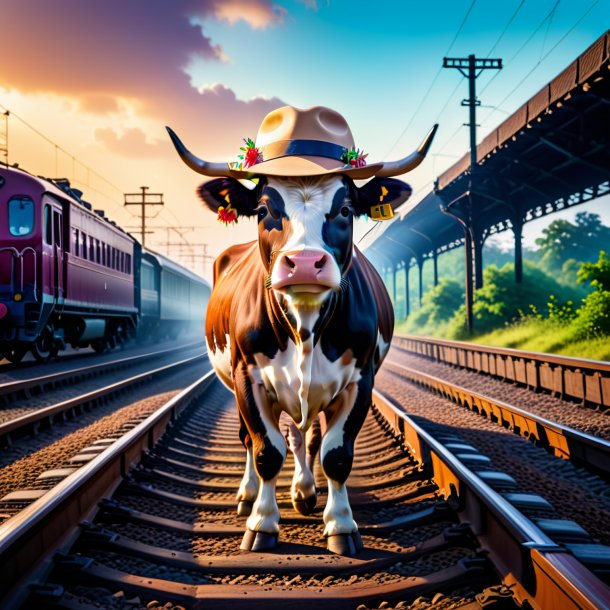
305, 225
305, 199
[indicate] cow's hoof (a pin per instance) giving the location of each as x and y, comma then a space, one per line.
258, 541
345, 544
244, 508
305, 506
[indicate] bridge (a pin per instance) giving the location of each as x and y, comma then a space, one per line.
552, 153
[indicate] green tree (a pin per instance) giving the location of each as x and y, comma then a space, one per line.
563, 240
439, 304
500, 301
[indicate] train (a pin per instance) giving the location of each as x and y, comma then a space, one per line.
71, 276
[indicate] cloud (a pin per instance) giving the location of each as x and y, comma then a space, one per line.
132, 142
125, 60
257, 13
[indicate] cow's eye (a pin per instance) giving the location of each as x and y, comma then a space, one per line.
345, 211
262, 211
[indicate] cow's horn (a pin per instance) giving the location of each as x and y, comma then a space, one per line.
195, 163
402, 166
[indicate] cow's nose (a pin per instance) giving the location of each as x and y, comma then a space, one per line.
304, 263
305, 267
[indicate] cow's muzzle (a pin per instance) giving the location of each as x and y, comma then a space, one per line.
305, 271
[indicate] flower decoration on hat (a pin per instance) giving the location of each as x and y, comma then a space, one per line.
354, 157
251, 155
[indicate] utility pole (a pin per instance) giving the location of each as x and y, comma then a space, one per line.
4, 138
471, 68
143, 201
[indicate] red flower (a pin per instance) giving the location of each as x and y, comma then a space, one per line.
252, 157
227, 215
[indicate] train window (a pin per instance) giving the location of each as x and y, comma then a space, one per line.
128, 264
92, 249
20, 216
98, 253
84, 245
122, 264
57, 228
75, 235
48, 226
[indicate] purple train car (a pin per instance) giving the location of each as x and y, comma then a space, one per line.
68, 275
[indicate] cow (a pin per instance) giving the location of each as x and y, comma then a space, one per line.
299, 321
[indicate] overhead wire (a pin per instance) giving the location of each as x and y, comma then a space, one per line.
510, 21
537, 64
509, 61
428, 91
90, 171
425, 96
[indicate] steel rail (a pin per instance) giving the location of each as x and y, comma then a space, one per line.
51, 522
563, 441
48, 380
539, 571
33, 419
576, 378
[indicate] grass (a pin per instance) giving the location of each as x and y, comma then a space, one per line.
541, 336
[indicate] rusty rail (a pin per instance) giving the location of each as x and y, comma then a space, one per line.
562, 441
576, 378
45, 415
539, 572
51, 521
11, 389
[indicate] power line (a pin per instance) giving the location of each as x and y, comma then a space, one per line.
508, 24
427, 93
535, 66
548, 16
90, 172
529, 39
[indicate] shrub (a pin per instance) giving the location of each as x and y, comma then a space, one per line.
593, 318
501, 301
597, 274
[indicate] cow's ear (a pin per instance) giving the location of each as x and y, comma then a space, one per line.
376, 195
224, 192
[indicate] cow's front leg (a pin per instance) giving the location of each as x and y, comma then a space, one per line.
303, 489
248, 488
345, 416
268, 452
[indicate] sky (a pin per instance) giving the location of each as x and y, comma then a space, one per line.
90, 87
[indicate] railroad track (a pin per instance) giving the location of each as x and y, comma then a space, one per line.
579, 379
22, 415
562, 441
151, 519
20, 384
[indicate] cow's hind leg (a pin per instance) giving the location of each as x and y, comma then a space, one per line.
269, 453
345, 417
303, 490
248, 488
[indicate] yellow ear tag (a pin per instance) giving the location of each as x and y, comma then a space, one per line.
383, 211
